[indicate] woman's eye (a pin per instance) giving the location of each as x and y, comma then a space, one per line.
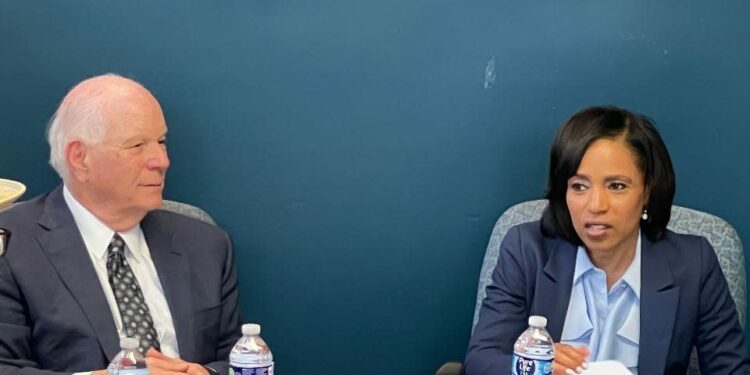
617, 186
577, 186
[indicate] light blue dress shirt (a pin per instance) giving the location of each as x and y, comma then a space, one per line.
608, 323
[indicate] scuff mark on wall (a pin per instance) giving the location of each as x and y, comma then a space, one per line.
489, 73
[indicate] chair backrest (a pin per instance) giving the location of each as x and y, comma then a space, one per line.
719, 233
187, 210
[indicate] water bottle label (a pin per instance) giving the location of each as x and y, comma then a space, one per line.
530, 366
235, 370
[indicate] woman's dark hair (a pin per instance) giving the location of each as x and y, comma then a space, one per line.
574, 138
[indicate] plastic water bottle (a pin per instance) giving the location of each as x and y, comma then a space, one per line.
534, 350
250, 355
128, 361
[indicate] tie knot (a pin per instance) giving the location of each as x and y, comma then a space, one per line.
116, 245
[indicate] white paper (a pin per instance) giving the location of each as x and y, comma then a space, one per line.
607, 368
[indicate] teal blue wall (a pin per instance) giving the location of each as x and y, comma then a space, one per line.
359, 153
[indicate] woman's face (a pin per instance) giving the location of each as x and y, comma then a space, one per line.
606, 197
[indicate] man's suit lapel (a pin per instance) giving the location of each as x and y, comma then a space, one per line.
61, 240
555, 288
174, 274
659, 300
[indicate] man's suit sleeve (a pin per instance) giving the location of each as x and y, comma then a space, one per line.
719, 337
504, 312
15, 329
230, 330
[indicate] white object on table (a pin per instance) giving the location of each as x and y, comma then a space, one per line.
607, 368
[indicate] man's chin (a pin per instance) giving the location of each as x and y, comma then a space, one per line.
153, 203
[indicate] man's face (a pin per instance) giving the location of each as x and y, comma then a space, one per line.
126, 170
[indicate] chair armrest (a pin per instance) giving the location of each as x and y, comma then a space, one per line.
450, 368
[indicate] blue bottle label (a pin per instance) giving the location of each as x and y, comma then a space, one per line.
530, 366
234, 370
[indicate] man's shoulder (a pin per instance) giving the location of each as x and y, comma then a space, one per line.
176, 222
201, 239
24, 213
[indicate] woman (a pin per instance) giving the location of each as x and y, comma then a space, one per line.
614, 283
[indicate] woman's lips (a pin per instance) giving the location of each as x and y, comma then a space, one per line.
596, 229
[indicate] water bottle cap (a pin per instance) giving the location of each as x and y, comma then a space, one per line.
537, 321
129, 343
250, 329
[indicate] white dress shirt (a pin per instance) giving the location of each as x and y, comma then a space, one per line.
97, 236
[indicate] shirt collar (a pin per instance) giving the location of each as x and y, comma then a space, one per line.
97, 235
631, 277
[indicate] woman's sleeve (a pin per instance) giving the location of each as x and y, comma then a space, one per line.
504, 312
719, 337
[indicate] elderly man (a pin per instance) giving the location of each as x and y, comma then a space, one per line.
95, 260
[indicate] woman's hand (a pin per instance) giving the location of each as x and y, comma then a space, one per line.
570, 360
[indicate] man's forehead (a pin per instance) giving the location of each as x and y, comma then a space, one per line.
134, 128
134, 119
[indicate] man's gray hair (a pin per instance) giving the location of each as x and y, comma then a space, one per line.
79, 116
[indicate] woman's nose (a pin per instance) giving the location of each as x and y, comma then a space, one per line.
599, 201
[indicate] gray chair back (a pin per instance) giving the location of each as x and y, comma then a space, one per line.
187, 210
719, 233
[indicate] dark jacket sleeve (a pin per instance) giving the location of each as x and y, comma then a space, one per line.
719, 337
230, 330
504, 312
15, 330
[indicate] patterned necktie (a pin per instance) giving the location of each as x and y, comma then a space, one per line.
136, 319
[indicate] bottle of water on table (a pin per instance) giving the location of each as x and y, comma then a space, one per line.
250, 355
128, 361
534, 350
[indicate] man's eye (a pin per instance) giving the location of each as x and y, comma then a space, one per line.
163, 141
137, 145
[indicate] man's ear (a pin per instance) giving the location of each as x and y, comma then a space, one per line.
76, 156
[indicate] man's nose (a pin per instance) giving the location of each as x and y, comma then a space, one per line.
158, 159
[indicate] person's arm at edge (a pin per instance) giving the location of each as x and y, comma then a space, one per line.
503, 314
719, 337
15, 348
230, 318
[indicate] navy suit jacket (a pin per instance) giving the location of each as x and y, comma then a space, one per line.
53, 313
685, 302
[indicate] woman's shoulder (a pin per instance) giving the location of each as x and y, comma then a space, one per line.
683, 241
531, 237
688, 255
529, 232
